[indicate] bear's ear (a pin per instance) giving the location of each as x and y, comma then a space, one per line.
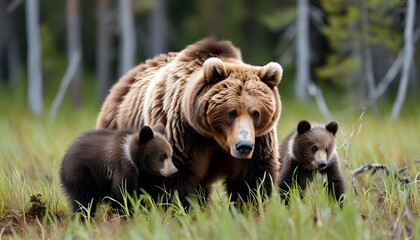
332, 127
271, 74
160, 128
303, 127
214, 70
146, 134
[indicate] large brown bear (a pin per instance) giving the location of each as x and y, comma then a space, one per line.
220, 115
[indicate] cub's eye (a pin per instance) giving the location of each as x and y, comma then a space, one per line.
163, 157
314, 148
232, 114
327, 149
255, 115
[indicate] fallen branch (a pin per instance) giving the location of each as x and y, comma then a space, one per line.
75, 59
365, 168
399, 175
315, 91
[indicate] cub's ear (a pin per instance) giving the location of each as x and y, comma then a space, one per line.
214, 70
271, 74
303, 127
160, 128
146, 134
332, 127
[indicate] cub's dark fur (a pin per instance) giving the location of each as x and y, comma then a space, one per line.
307, 150
100, 163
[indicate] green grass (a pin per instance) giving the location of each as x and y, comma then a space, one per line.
31, 149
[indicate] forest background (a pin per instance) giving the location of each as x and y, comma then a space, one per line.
364, 51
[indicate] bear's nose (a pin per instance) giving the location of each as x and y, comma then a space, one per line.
174, 172
244, 147
321, 164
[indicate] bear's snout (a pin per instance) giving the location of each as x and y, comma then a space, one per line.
168, 169
321, 164
173, 172
244, 148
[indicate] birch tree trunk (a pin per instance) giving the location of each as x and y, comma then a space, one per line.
104, 47
8, 45
302, 52
128, 40
408, 56
74, 52
367, 65
74, 49
158, 27
34, 57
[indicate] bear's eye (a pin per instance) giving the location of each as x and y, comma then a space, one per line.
327, 149
314, 148
163, 157
255, 115
232, 114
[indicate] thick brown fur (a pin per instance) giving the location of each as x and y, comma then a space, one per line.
102, 163
307, 150
220, 114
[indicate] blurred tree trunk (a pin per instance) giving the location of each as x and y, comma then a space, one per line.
302, 52
304, 87
34, 57
392, 72
249, 30
74, 48
159, 27
9, 48
128, 40
408, 57
74, 52
367, 65
104, 47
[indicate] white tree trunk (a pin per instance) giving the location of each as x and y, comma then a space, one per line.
74, 51
158, 25
408, 56
34, 57
302, 51
391, 73
104, 38
9, 44
367, 56
128, 40
74, 46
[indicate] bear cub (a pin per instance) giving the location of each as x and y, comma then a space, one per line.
102, 163
307, 150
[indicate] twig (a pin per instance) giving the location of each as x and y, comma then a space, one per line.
365, 168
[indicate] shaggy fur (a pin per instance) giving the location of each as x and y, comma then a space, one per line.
307, 150
102, 163
220, 114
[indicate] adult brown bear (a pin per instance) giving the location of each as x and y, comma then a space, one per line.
220, 115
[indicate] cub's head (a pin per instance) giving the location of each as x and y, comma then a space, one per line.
155, 152
234, 103
313, 146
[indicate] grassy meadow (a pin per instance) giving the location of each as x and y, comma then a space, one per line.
32, 205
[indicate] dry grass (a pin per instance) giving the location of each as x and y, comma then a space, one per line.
32, 205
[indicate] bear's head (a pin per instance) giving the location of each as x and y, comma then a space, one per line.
233, 103
313, 146
154, 151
